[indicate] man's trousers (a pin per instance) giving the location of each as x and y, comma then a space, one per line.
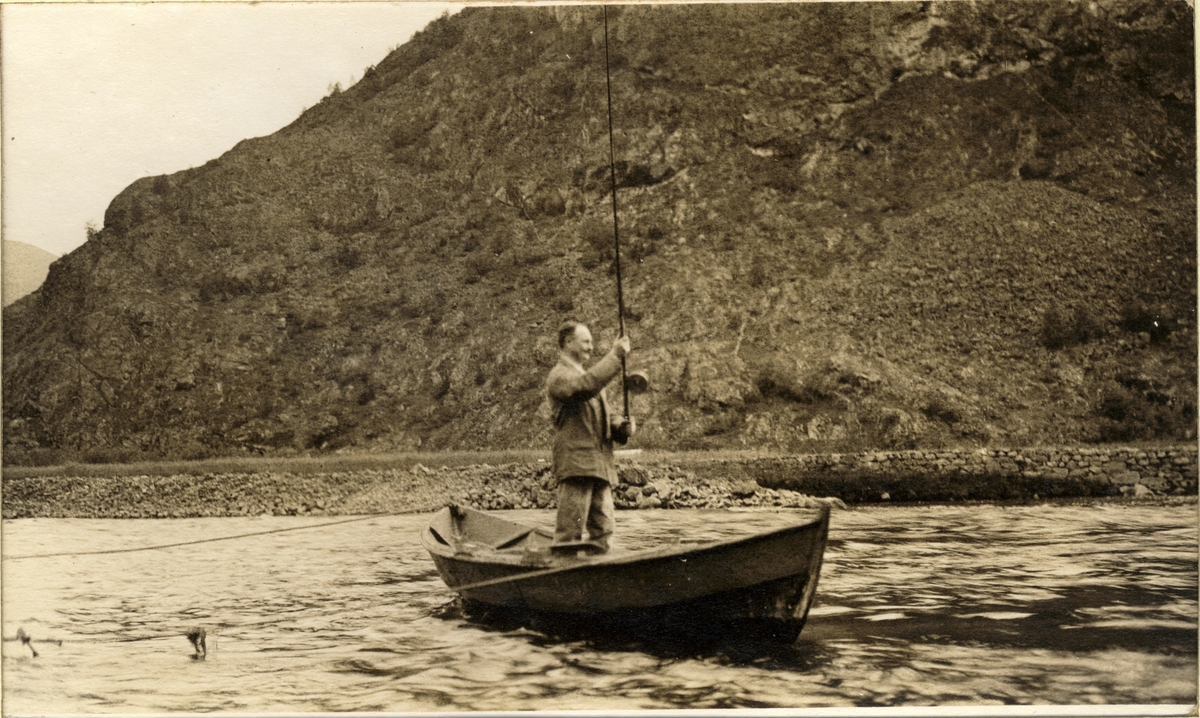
585, 502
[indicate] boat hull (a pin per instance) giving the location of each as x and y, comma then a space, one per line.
741, 616
762, 584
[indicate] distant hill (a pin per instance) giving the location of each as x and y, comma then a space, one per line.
25, 268
844, 226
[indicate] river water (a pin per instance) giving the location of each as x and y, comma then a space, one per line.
917, 606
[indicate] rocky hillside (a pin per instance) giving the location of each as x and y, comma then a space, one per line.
843, 226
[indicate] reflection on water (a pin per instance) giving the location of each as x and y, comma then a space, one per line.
916, 606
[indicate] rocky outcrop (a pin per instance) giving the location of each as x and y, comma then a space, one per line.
845, 226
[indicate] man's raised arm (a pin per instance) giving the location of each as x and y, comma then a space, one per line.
565, 386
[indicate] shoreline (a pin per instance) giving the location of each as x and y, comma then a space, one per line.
996, 476
393, 491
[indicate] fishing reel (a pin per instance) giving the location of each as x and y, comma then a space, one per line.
637, 382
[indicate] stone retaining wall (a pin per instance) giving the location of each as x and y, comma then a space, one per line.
986, 473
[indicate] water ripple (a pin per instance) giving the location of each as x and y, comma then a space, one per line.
976, 605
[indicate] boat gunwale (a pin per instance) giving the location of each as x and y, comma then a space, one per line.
668, 551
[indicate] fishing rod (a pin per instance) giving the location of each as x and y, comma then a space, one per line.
612, 172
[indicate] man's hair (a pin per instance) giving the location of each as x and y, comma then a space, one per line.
566, 330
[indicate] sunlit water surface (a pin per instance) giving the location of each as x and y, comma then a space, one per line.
927, 605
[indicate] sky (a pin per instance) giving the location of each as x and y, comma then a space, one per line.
96, 96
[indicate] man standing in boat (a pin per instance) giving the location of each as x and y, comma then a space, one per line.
585, 430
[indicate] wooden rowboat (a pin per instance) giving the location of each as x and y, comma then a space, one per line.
759, 586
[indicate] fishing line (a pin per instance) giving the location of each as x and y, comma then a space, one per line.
60, 641
213, 630
1086, 146
192, 543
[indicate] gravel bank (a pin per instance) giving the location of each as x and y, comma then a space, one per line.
419, 489
702, 483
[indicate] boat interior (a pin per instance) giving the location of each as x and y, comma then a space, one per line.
470, 533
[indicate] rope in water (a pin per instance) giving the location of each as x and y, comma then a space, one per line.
192, 543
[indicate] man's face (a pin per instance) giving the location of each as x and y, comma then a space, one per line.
579, 345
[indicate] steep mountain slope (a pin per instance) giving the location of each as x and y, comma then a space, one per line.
25, 268
842, 225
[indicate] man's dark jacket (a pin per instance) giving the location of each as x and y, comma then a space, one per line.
585, 426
